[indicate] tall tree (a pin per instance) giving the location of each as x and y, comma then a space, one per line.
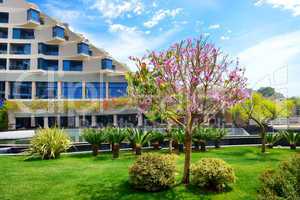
262, 111
186, 84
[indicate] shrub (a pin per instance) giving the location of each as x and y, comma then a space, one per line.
157, 138
272, 138
292, 139
153, 172
95, 138
49, 143
201, 136
217, 134
139, 139
282, 183
3, 119
115, 136
176, 139
212, 174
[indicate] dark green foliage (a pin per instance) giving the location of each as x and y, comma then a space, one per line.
157, 138
282, 183
272, 138
115, 136
139, 138
200, 137
292, 138
94, 137
153, 172
3, 119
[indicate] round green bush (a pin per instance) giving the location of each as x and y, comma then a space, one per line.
212, 174
153, 172
49, 143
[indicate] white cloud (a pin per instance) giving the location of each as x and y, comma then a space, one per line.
113, 28
214, 26
111, 9
291, 5
160, 15
224, 37
62, 14
263, 60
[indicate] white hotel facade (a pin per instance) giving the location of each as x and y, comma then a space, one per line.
41, 59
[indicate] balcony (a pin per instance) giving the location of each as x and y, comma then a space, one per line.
72, 65
49, 50
47, 65
83, 50
58, 35
33, 18
20, 49
25, 34
107, 64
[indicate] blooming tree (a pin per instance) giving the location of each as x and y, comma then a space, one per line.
186, 85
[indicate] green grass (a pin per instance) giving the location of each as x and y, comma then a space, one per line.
86, 177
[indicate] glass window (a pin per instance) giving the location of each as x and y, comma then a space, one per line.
47, 65
50, 50
72, 65
4, 33
20, 90
4, 17
2, 64
72, 90
24, 49
33, 15
95, 90
83, 48
117, 90
3, 48
46, 90
19, 64
2, 89
20, 33
23, 123
107, 64
58, 32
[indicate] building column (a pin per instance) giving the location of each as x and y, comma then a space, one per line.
140, 119
7, 89
59, 90
46, 122
115, 120
32, 121
107, 89
94, 121
33, 90
77, 121
83, 89
11, 121
58, 120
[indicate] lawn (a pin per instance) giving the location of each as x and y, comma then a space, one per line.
86, 177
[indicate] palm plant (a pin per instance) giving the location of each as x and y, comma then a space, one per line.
272, 138
157, 138
200, 137
139, 139
176, 137
217, 134
95, 138
115, 136
292, 139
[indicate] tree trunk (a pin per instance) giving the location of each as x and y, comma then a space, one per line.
263, 137
293, 146
176, 147
203, 146
270, 146
197, 146
156, 145
95, 150
170, 146
217, 144
188, 150
133, 147
116, 150
138, 150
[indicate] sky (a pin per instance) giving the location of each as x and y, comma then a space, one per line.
263, 34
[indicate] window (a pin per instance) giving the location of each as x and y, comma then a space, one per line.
4, 17
117, 90
107, 64
48, 65
83, 48
46, 90
23, 123
24, 49
3, 48
33, 15
95, 90
19, 64
72, 65
4, 33
20, 90
58, 32
72, 90
50, 50
2, 89
20, 33
2, 64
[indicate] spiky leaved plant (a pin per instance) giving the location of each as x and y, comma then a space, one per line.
140, 138
217, 134
292, 138
94, 137
157, 138
115, 136
272, 138
200, 137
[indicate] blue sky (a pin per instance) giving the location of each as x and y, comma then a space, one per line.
263, 34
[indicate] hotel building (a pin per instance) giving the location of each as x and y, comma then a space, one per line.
44, 64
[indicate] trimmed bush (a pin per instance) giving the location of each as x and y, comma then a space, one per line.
212, 174
49, 143
153, 172
282, 183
